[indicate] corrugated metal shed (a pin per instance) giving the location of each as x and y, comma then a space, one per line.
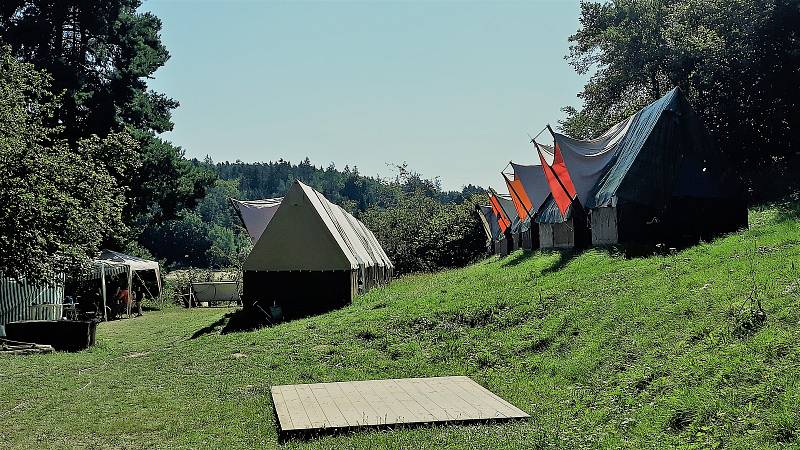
21, 301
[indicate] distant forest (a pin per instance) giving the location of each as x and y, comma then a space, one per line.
421, 226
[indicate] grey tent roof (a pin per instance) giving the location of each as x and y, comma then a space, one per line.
508, 208
661, 151
534, 182
256, 214
116, 258
308, 232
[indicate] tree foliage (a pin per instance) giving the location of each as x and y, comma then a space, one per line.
99, 56
208, 236
738, 61
421, 234
59, 201
99, 53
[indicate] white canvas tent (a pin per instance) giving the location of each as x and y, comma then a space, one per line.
134, 267
312, 255
256, 214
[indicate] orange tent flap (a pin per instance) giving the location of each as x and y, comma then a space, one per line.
502, 220
561, 172
557, 188
519, 197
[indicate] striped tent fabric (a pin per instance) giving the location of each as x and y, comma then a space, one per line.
22, 301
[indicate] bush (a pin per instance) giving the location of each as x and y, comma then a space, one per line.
421, 234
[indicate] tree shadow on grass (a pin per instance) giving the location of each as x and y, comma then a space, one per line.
564, 257
517, 258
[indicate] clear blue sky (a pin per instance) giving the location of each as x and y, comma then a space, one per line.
449, 87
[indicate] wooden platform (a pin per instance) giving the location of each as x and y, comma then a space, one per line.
332, 406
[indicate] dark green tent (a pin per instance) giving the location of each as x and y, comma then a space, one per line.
657, 176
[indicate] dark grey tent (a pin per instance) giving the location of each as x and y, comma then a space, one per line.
510, 240
655, 177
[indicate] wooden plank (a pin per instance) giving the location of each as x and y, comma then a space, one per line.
393, 407
385, 402
368, 415
419, 412
416, 390
441, 392
384, 413
295, 408
351, 414
477, 397
329, 406
280, 408
312, 408
490, 399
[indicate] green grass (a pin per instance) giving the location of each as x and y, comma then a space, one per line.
601, 350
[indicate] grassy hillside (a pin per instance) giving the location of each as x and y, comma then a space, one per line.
601, 350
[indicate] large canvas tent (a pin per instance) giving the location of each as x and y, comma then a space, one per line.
656, 176
312, 256
509, 239
533, 183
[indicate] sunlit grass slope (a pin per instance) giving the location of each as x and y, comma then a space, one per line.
601, 350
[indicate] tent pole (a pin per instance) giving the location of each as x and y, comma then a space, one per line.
533, 139
103, 289
158, 279
130, 290
143, 284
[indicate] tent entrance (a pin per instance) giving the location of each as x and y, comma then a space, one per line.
299, 293
604, 226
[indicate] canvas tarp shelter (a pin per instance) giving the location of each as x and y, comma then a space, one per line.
490, 226
313, 255
508, 208
534, 183
147, 272
660, 151
506, 241
256, 214
555, 230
